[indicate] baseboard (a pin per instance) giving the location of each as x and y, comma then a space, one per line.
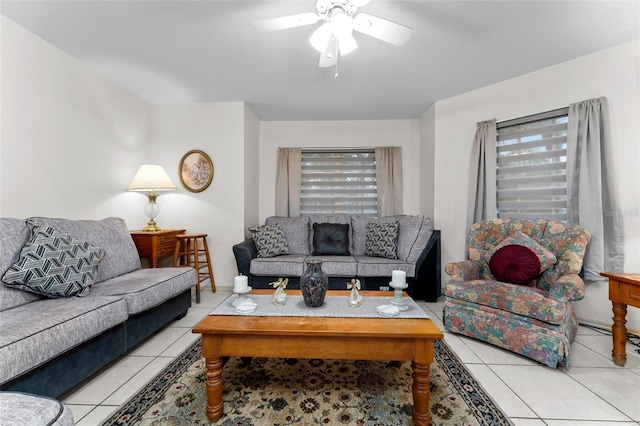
606, 327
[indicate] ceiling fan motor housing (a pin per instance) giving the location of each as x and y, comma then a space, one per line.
324, 7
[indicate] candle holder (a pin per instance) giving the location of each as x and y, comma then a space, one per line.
398, 299
241, 298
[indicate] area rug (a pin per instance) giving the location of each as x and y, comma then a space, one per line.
279, 392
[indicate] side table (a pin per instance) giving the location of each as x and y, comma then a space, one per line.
157, 244
624, 289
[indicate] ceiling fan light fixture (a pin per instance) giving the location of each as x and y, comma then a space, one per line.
341, 23
347, 44
332, 49
321, 37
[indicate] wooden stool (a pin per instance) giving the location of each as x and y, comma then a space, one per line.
188, 249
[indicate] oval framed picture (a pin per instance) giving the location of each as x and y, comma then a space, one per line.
195, 171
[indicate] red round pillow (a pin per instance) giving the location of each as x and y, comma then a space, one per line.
515, 264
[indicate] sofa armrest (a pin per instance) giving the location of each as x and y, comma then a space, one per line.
568, 287
244, 252
464, 271
427, 277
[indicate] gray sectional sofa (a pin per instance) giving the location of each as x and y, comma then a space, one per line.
417, 252
48, 345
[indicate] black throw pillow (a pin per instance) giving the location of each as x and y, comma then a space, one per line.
331, 239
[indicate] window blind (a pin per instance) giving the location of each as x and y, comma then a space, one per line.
532, 166
339, 182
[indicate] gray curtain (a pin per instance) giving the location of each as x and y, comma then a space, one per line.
591, 188
288, 177
482, 204
389, 180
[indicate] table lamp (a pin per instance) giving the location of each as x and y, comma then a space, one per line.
152, 178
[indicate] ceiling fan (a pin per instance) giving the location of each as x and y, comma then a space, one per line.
335, 36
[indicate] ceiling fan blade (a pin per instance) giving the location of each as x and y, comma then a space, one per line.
329, 57
382, 29
359, 3
285, 22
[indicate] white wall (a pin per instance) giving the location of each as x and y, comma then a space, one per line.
71, 141
251, 170
218, 129
427, 161
340, 134
613, 73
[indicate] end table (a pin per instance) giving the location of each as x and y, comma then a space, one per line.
155, 245
624, 289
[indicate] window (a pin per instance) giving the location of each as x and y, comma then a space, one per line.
339, 181
532, 166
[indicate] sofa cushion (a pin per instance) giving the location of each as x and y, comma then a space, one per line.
269, 240
55, 264
11, 297
39, 331
369, 266
281, 266
338, 266
146, 288
359, 231
515, 264
529, 302
111, 235
382, 240
413, 234
296, 231
411, 242
14, 233
18, 409
330, 239
547, 259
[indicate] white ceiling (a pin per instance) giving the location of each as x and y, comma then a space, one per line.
206, 51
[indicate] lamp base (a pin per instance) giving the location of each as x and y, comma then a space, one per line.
152, 226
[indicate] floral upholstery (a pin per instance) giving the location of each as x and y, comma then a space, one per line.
538, 322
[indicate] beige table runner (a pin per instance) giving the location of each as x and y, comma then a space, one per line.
334, 306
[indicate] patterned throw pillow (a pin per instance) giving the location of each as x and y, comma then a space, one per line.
382, 240
547, 259
55, 264
269, 240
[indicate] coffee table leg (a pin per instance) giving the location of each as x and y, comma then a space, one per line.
619, 331
214, 388
421, 415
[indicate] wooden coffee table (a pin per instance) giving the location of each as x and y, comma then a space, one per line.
392, 339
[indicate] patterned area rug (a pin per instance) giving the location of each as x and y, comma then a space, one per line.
279, 392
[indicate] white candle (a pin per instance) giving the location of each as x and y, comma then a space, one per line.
241, 284
398, 278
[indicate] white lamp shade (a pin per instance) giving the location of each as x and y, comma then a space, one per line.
321, 37
347, 44
151, 177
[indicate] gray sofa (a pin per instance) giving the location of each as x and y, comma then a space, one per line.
418, 254
48, 345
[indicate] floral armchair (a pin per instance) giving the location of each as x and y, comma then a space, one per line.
536, 319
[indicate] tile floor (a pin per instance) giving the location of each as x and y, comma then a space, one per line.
593, 391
